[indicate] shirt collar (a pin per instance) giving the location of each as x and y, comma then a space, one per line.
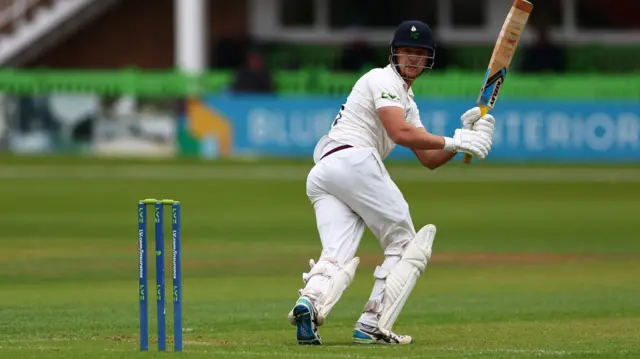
399, 79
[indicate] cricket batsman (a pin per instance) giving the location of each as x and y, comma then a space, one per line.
350, 188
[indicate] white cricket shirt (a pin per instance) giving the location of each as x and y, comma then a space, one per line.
357, 123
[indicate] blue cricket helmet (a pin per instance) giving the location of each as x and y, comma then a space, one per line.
417, 34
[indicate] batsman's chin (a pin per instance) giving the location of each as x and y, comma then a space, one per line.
411, 72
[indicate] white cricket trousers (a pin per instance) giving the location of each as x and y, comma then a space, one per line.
349, 189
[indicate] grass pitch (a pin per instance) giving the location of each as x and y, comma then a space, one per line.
528, 262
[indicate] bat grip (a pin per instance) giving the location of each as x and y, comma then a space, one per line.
483, 111
467, 158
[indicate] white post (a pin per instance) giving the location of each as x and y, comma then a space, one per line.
570, 20
191, 28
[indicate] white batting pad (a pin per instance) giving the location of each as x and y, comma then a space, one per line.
334, 281
339, 284
401, 279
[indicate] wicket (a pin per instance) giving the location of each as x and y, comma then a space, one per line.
160, 280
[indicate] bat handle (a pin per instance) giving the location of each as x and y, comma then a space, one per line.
483, 111
467, 158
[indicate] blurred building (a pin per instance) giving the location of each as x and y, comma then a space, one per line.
595, 34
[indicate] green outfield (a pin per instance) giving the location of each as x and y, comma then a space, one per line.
529, 262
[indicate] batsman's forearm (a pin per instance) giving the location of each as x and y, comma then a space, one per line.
417, 139
436, 158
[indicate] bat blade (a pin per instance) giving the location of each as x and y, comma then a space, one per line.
503, 53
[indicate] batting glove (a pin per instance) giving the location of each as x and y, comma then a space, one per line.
471, 120
475, 143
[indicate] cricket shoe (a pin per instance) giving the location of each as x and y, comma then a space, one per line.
365, 334
303, 316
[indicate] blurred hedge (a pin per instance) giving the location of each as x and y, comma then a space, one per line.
312, 83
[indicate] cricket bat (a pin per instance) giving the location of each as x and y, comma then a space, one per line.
503, 53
